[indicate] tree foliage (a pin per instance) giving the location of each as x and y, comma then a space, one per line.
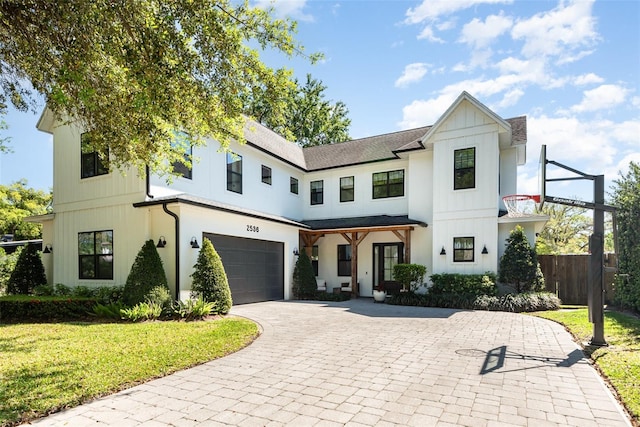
210, 279
519, 265
28, 272
304, 280
146, 273
18, 201
309, 118
137, 71
7, 264
626, 199
566, 232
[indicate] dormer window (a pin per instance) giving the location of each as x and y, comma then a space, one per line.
92, 162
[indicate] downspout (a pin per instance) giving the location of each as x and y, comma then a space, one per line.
177, 237
148, 183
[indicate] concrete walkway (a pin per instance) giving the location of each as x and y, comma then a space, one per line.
358, 363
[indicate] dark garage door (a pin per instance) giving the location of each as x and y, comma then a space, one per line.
255, 268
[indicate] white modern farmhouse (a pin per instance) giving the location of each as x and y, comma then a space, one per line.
431, 196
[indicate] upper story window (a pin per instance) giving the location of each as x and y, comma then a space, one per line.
388, 184
346, 189
293, 185
266, 174
344, 260
234, 172
463, 249
317, 192
95, 252
464, 168
92, 163
181, 168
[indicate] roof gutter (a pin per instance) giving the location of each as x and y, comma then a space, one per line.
177, 254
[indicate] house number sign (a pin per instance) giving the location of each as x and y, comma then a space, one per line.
253, 228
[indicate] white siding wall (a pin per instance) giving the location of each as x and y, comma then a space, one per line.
508, 174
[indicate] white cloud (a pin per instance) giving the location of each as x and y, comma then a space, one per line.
479, 34
446, 25
430, 10
412, 73
290, 8
427, 33
600, 98
423, 113
558, 32
586, 79
511, 98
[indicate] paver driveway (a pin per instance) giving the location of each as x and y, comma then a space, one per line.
363, 364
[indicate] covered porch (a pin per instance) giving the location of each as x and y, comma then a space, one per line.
393, 245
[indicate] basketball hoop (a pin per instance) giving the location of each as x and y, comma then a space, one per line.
519, 205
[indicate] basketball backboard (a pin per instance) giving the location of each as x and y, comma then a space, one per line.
542, 176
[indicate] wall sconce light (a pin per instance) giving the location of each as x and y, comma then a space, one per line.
194, 243
162, 242
484, 250
443, 252
296, 252
48, 249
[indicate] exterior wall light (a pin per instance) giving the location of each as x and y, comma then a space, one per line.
443, 252
194, 243
162, 242
484, 250
296, 252
48, 249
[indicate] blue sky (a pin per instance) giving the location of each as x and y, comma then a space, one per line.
572, 67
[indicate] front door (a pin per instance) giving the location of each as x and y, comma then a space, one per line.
385, 256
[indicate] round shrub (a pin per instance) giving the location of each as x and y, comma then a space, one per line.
146, 273
210, 280
304, 280
28, 272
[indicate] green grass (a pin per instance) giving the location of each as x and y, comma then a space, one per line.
48, 366
620, 361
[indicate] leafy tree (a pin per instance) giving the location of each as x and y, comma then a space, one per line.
626, 198
146, 273
136, 72
519, 265
566, 232
309, 119
304, 280
28, 272
210, 280
7, 264
17, 201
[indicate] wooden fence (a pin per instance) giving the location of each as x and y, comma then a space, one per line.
566, 276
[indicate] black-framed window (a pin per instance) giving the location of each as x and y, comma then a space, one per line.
463, 249
344, 260
347, 189
464, 168
181, 168
266, 174
293, 185
234, 172
95, 254
388, 184
314, 259
92, 162
317, 192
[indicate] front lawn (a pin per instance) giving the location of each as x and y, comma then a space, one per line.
620, 361
48, 366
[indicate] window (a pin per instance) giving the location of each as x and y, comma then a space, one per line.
182, 169
344, 260
464, 169
346, 189
91, 162
95, 251
314, 259
317, 192
463, 249
266, 174
388, 184
234, 173
293, 185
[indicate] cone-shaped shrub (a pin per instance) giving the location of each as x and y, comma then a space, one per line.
146, 273
304, 280
210, 280
519, 264
28, 272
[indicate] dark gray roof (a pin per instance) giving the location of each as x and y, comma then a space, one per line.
273, 144
361, 221
210, 204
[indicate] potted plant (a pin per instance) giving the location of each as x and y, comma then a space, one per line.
379, 293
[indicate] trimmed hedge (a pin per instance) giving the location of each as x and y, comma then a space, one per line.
516, 303
27, 308
465, 284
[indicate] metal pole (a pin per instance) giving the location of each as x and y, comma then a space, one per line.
596, 265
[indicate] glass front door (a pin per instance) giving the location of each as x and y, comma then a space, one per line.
385, 256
